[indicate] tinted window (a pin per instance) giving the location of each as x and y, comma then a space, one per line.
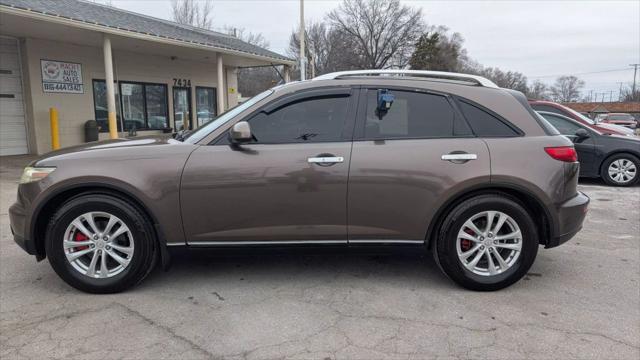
310, 120
412, 115
485, 124
565, 127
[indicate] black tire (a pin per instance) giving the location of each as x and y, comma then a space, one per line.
142, 260
604, 170
446, 254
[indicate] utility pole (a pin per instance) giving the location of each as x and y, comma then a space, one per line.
611, 96
635, 70
590, 95
302, 57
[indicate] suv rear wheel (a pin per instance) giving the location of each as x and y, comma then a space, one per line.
100, 244
487, 243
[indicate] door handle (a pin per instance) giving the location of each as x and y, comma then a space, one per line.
459, 157
325, 160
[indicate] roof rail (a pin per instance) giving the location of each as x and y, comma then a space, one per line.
482, 81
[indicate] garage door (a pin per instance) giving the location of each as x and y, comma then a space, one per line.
13, 133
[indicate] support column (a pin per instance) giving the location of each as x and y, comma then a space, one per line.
221, 90
111, 93
287, 73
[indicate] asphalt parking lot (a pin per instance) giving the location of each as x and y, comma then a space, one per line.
580, 300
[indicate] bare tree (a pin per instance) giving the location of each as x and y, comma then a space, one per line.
192, 12
247, 36
538, 91
627, 94
566, 89
384, 31
328, 49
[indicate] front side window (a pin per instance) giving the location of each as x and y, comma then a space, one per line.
412, 115
318, 119
485, 124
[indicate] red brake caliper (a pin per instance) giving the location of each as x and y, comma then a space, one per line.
466, 244
81, 237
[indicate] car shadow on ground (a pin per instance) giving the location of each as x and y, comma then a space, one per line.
304, 265
600, 182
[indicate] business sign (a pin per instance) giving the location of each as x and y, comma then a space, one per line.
61, 77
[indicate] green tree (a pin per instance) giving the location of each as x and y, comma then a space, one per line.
426, 51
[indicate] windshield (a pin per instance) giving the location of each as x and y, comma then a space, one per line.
620, 117
215, 123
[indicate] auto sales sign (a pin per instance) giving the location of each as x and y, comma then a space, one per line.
61, 77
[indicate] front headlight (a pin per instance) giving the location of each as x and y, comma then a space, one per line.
31, 174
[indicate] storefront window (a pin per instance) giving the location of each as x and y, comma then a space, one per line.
139, 105
132, 106
205, 104
100, 103
157, 117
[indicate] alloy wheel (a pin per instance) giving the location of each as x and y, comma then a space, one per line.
622, 171
98, 245
489, 243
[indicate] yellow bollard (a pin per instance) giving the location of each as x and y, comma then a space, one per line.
113, 125
55, 131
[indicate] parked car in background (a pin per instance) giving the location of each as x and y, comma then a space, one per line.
614, 158
550, 106
626, 120
430, 159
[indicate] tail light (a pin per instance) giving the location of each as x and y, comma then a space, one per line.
562, 153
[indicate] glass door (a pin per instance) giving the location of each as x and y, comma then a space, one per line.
205, 104
182, 108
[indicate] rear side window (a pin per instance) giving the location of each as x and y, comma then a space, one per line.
485, 124
319, 119
412, 115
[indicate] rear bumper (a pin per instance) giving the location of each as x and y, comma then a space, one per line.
571, 215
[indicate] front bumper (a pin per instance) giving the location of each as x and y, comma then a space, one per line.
17, 222
571, 215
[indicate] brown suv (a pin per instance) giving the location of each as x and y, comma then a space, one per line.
440, 161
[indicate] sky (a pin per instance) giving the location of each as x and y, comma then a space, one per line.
594, 40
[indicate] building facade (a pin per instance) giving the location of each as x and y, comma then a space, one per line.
166, 76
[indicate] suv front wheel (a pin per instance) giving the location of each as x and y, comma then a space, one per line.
487, 243
100, 244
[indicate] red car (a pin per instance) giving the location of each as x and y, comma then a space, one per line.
549, 106
621, 119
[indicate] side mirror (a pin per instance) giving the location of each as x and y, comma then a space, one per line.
240, 133
581, 134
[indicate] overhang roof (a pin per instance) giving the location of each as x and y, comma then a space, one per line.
606, 107
129, 22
